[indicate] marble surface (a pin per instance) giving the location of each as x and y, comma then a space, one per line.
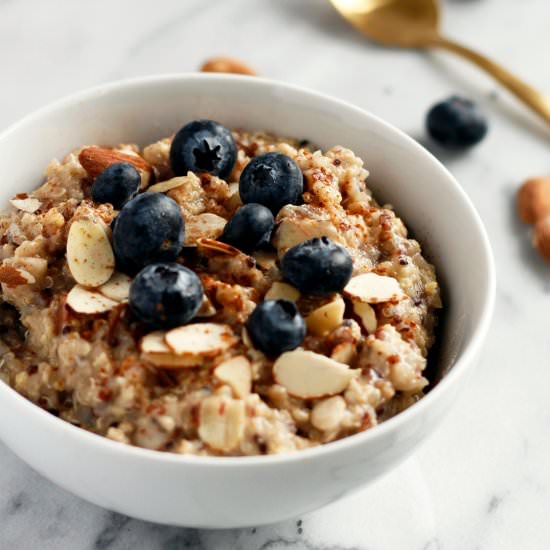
481, 482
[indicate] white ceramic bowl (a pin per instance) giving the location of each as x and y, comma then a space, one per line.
233, 492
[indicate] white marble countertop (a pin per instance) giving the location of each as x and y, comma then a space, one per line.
482, 482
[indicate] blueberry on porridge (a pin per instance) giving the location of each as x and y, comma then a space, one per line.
220, 292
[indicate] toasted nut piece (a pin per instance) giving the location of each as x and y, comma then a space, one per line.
207, 309
165, 186
200, 339
117, 288
373, 288
82, 300
221, 422
217, 246
326, 318
344, 353
541, 237
237, 374
265, 260
282, 291
35, 269
95, 159
13, 276
203, 226
367, 315
533, 199
89, 253
310, 375
226, 65
28, 205
328, 413
155, 350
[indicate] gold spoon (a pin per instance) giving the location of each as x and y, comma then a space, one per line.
415, 24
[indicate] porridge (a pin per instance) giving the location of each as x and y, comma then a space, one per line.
214, 293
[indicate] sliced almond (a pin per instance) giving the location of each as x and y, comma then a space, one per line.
203, 226
221, 422
89, 253
328, 413
95, 159
165, 186
344, 353
207, 309
200, 339
237, 374
282, 291
218, 246
310, 375
366, 313
326, 318
155, 350
117, 288
29, 205
373, 288
13, 276
82, 300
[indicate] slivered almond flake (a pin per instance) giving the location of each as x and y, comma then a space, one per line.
165, 186
282, 291
344, 353
328, 413
237, 374
221, 422
207, 309
13, 276
29, 205
200, 339
82, 300
218, 246
117, 288
373, 288
203, 226
366, 313
89, 253
154, 349
95, 159
326, 318
309, 375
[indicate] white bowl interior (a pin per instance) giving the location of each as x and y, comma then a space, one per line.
424, 194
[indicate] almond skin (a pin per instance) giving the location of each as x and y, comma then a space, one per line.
533, 199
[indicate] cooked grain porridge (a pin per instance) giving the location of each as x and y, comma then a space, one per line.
142, 301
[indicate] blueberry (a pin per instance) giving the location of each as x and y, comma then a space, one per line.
148, 229
249, 227
456, 123
273, 180
203, 146
165, 295
318, 266
276, 326
117, 184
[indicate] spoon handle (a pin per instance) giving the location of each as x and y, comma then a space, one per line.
531, 97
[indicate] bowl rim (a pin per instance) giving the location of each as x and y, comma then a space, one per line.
464, 362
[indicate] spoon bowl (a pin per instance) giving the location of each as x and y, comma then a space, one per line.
399, 23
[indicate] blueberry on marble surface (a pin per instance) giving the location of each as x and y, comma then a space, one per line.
117, 184
249, 228
165, 295
317, 266
456, 123
276, 326
149, 228
273, 180
203, 146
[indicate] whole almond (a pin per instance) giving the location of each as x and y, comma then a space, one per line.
95, 159
533, 199
226, 65
541, 237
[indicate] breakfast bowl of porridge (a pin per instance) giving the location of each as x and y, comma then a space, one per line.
228, 301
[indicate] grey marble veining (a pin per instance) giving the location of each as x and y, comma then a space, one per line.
482, 482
